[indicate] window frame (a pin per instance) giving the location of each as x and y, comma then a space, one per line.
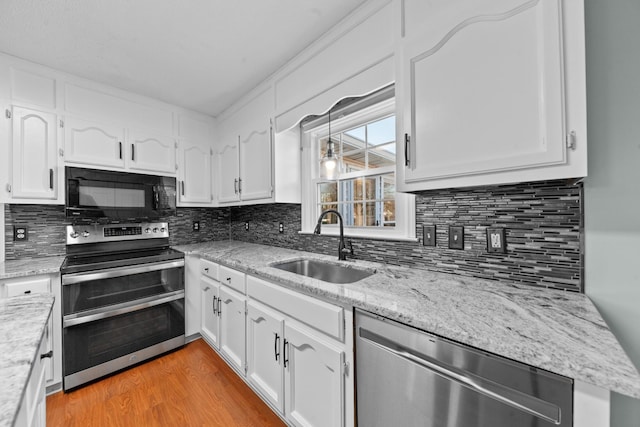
344, 118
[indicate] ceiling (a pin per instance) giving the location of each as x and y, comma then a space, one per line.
199, 54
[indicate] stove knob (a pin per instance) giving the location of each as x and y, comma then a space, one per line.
147, 230
73, 234
155, 229
162, 230
85, 233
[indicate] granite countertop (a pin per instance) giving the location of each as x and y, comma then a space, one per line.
561, 332
22, 324
30, 267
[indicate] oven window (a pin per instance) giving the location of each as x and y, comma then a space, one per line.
102, 292
90, 344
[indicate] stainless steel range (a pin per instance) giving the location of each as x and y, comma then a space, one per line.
122, 298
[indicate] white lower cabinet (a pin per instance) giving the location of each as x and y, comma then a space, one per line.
299, 350
265, 337
314, 379
231, 310
210, 322
33, 409
52, 339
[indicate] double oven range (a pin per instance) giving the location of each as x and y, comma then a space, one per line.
122, 298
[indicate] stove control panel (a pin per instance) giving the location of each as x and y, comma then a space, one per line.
99, 233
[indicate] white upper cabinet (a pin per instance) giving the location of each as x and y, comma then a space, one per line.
228, 172
195, 154
194, 169
482, 94
244, 154
151, 153
256, 162
94, 144
34, 168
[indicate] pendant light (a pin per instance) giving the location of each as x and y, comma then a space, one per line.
329, 162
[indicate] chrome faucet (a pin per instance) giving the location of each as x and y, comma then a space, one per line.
342, 249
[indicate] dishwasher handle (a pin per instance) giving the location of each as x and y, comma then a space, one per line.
514, 398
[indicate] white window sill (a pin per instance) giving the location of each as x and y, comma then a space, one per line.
363, 235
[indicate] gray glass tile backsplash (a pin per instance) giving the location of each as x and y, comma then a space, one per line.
543, 223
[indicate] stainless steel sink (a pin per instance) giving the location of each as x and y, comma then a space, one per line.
328, 272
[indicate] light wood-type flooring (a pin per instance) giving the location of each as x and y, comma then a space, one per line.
192, 386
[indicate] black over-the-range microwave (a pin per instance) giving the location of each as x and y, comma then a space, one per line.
118, 195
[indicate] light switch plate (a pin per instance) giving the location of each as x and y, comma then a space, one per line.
496, 241
456, 237
428, 235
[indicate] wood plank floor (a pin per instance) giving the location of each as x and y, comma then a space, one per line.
188, 387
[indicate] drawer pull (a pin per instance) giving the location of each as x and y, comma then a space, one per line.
27, 292
48, 354
228, 279
206, 269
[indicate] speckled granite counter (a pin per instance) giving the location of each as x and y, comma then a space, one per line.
22, 323
30, 267
558, 331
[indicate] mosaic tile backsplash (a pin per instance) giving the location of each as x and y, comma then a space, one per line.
543, 224
46, 228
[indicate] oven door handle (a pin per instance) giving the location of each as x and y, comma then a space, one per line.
118, 309
70, 279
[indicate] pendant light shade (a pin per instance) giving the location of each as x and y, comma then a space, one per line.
329, 162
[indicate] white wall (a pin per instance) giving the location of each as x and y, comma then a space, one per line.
612, 189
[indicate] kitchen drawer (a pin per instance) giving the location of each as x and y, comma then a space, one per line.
209, 269
320, 315
232, 278
27, 286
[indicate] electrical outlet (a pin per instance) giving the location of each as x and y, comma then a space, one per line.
281, 228
456, 237
246, 226
20, 234
428, 235
496, 242
196, 226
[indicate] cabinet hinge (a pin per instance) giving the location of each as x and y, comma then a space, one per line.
61, 123
571, 140
7, 113
61, 152
246, 368
8, 188
175, 144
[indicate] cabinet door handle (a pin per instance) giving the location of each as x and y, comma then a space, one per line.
133, 152
276, 345
407, 139
285, 360
48, 354
51, 179
214, 305
182, 184
120, 149
219, 307
235, 185
240, 185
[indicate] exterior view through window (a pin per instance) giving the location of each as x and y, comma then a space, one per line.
364, 192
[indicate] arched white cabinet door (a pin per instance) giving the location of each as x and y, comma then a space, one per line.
34, 166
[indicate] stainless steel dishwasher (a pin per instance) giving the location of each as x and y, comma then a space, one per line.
407, 377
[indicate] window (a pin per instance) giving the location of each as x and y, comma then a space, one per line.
363, 136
